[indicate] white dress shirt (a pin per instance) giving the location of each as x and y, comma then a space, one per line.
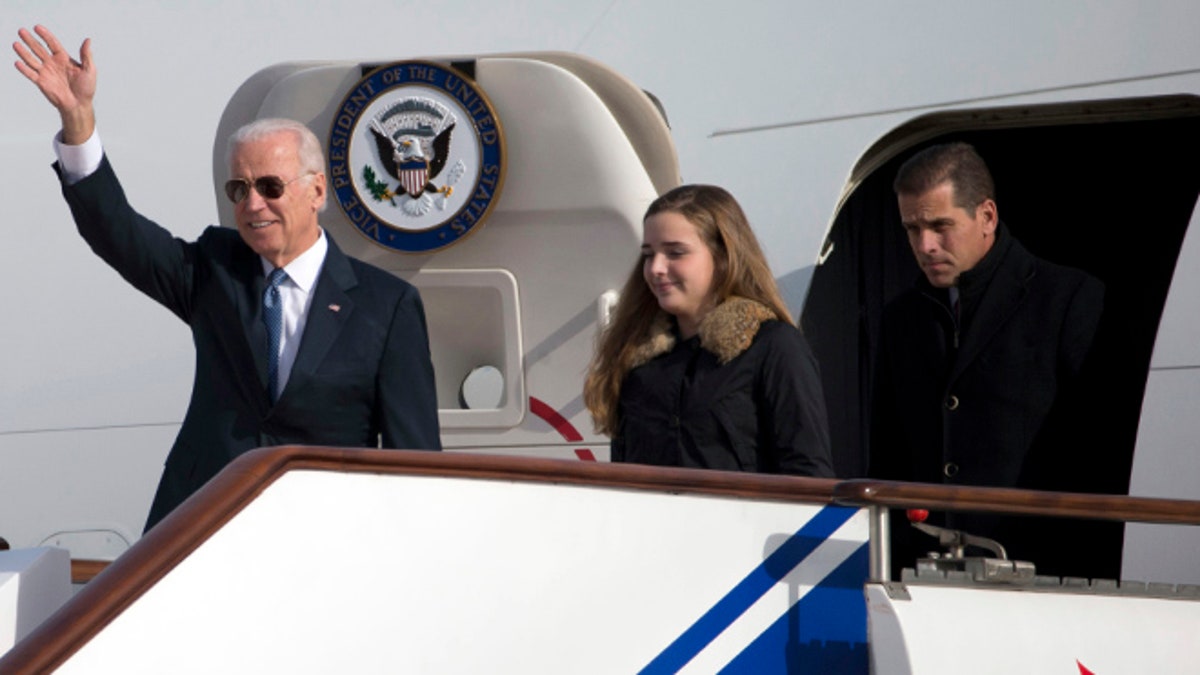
78, 161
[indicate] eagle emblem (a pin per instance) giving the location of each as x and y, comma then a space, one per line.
412, 138
416, 156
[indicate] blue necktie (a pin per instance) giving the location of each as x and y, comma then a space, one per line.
273, 318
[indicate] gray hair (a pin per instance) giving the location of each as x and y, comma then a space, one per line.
312, 159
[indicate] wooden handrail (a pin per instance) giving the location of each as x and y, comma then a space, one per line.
206, 511
892, 494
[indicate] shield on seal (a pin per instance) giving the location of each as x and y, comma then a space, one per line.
413, 176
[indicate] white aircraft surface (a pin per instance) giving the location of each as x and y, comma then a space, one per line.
786, 104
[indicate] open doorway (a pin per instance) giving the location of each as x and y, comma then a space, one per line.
1104, 186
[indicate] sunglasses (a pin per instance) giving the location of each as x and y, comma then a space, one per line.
270, 187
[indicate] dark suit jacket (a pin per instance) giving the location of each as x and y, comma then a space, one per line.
362, 374
997, 410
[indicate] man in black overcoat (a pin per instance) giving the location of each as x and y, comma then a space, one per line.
980, 362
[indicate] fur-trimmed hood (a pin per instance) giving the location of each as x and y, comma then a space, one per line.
727, 331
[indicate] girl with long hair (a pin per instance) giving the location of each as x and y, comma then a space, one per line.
701, 365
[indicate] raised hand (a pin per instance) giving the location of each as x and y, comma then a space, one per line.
68, 84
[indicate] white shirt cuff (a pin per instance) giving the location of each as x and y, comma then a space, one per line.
78, 161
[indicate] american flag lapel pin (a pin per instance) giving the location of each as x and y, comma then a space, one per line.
335, 308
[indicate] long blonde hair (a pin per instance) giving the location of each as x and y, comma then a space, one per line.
739, 269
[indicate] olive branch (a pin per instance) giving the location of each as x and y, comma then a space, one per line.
379, 189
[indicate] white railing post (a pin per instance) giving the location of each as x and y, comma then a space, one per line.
880, 548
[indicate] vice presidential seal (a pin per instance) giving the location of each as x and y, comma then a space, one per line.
416, 156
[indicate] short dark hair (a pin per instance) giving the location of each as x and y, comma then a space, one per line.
957, 163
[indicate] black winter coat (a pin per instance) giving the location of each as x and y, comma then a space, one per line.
995, 409
743, 395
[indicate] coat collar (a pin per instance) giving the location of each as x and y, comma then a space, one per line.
331, 307
727, 331
1008, 288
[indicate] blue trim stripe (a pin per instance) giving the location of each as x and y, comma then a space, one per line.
747, 592
825, 632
